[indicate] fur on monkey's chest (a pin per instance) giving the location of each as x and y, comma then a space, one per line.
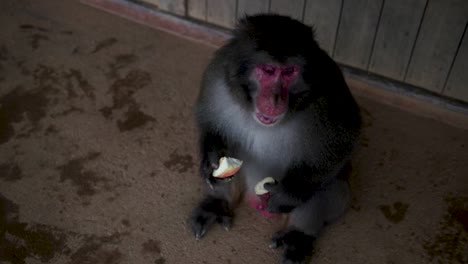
265, 154
273, 147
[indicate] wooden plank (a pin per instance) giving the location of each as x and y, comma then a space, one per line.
457, 84
398, 28
221, 12
251, 7
197, 9
356, 32
439, 36
293, 8
172, 6
323, 15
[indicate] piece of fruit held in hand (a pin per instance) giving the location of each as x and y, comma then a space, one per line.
260, 189
227, 167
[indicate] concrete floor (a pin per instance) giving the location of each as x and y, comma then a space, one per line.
98, 156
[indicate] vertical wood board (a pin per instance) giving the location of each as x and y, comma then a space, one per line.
439, 36
197, 9
457, 84
251, 7
395, 38
323, 16
221, 12
292, 8
356, 32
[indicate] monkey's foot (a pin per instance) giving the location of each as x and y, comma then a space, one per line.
297, 245
209, 211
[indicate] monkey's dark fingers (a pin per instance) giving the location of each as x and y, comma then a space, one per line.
213, 159
210, 163
213, 181
225, 221
207, 168
291, 257
277, 239
223, 180
297, 244
209, 211
201, 224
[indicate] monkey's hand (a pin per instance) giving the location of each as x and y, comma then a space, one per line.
208, 212
297, 245
280, 201
210, 162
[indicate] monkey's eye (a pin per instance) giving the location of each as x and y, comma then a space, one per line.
289, 71
270, 70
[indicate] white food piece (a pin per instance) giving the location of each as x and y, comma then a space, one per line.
260, 189
227, 167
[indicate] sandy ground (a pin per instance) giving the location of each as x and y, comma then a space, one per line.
98, 160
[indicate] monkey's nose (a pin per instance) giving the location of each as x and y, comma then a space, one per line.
275, 99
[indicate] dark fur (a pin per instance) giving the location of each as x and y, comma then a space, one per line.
307, 149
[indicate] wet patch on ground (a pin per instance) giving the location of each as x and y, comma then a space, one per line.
179, 162
160, 260
120, 62
21, 105
10, 172
37, 35
104, 44
75, 81
86, 181
124, 107
394, 213
124, 88
151, 246
134, 118
19, 241
99, 250
450, 243
24, 107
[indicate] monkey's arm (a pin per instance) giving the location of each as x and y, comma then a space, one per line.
212, 148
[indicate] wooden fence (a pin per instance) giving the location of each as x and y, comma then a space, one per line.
419, 42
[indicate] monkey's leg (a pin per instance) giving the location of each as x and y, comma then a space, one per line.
216, 207
307, 221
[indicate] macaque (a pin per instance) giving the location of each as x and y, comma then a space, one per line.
274, 99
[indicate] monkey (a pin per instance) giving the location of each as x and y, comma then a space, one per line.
274, 99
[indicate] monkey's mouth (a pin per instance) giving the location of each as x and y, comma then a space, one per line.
265, 119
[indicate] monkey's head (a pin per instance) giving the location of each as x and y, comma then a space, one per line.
267, 59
